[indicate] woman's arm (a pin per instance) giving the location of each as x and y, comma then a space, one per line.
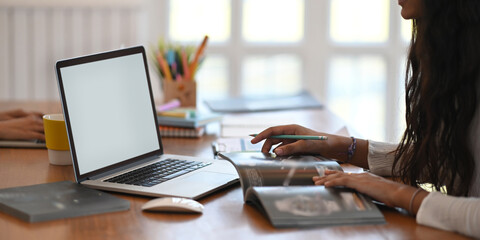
335, 146
391, 193
432, 209
459, 214
380, 157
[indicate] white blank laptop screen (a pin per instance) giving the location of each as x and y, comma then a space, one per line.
110, 111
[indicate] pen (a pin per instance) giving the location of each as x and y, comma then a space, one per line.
297, 137
193, 65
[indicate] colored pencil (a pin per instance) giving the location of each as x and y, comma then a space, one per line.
164, 66
186, 69
193, 65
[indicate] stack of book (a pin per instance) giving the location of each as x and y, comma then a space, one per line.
185, 122
181, 132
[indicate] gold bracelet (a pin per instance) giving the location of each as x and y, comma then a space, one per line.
410, 206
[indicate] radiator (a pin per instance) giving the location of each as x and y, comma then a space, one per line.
33, 38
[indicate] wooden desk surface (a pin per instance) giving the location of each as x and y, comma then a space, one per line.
225, 215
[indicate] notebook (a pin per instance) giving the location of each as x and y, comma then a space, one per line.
233, 105
113, 131
49, 201
198, 120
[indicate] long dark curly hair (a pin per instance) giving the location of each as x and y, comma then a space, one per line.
443, 71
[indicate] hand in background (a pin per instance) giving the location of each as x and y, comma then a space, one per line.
18, 113
331, 147
20, 125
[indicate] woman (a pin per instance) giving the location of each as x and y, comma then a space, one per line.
441, 144
21, 125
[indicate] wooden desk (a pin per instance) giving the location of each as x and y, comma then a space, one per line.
225, 215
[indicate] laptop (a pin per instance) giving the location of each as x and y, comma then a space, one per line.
34, 143
113, 131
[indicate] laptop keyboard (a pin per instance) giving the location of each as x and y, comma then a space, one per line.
157, 173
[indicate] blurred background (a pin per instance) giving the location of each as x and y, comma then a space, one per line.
349, 54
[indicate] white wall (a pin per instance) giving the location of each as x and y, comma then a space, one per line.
35, 34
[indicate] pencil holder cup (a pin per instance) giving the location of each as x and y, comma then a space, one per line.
184, 91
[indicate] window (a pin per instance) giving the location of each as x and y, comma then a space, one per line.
283, 23
359, 21
357, 90
349, 53
190, 20
211, 82
271, 75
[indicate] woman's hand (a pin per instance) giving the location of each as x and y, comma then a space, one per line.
22, 128
335, 146
288, 146
391, 193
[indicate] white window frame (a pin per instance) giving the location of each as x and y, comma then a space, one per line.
315, 51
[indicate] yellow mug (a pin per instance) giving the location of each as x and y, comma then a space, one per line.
56, 139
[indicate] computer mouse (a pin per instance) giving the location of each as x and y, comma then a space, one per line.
173, 204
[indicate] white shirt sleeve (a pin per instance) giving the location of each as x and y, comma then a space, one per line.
380, 157
459, 214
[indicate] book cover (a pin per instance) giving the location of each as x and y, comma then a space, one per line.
282, 189
234, 105
192, 121
305, 206
57, 200
180, 132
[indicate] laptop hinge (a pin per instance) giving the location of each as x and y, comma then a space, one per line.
118, 169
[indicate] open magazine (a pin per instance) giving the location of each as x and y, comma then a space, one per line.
282, 188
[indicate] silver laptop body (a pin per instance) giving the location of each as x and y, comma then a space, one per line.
112, 127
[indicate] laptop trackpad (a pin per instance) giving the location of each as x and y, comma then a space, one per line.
205, 180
